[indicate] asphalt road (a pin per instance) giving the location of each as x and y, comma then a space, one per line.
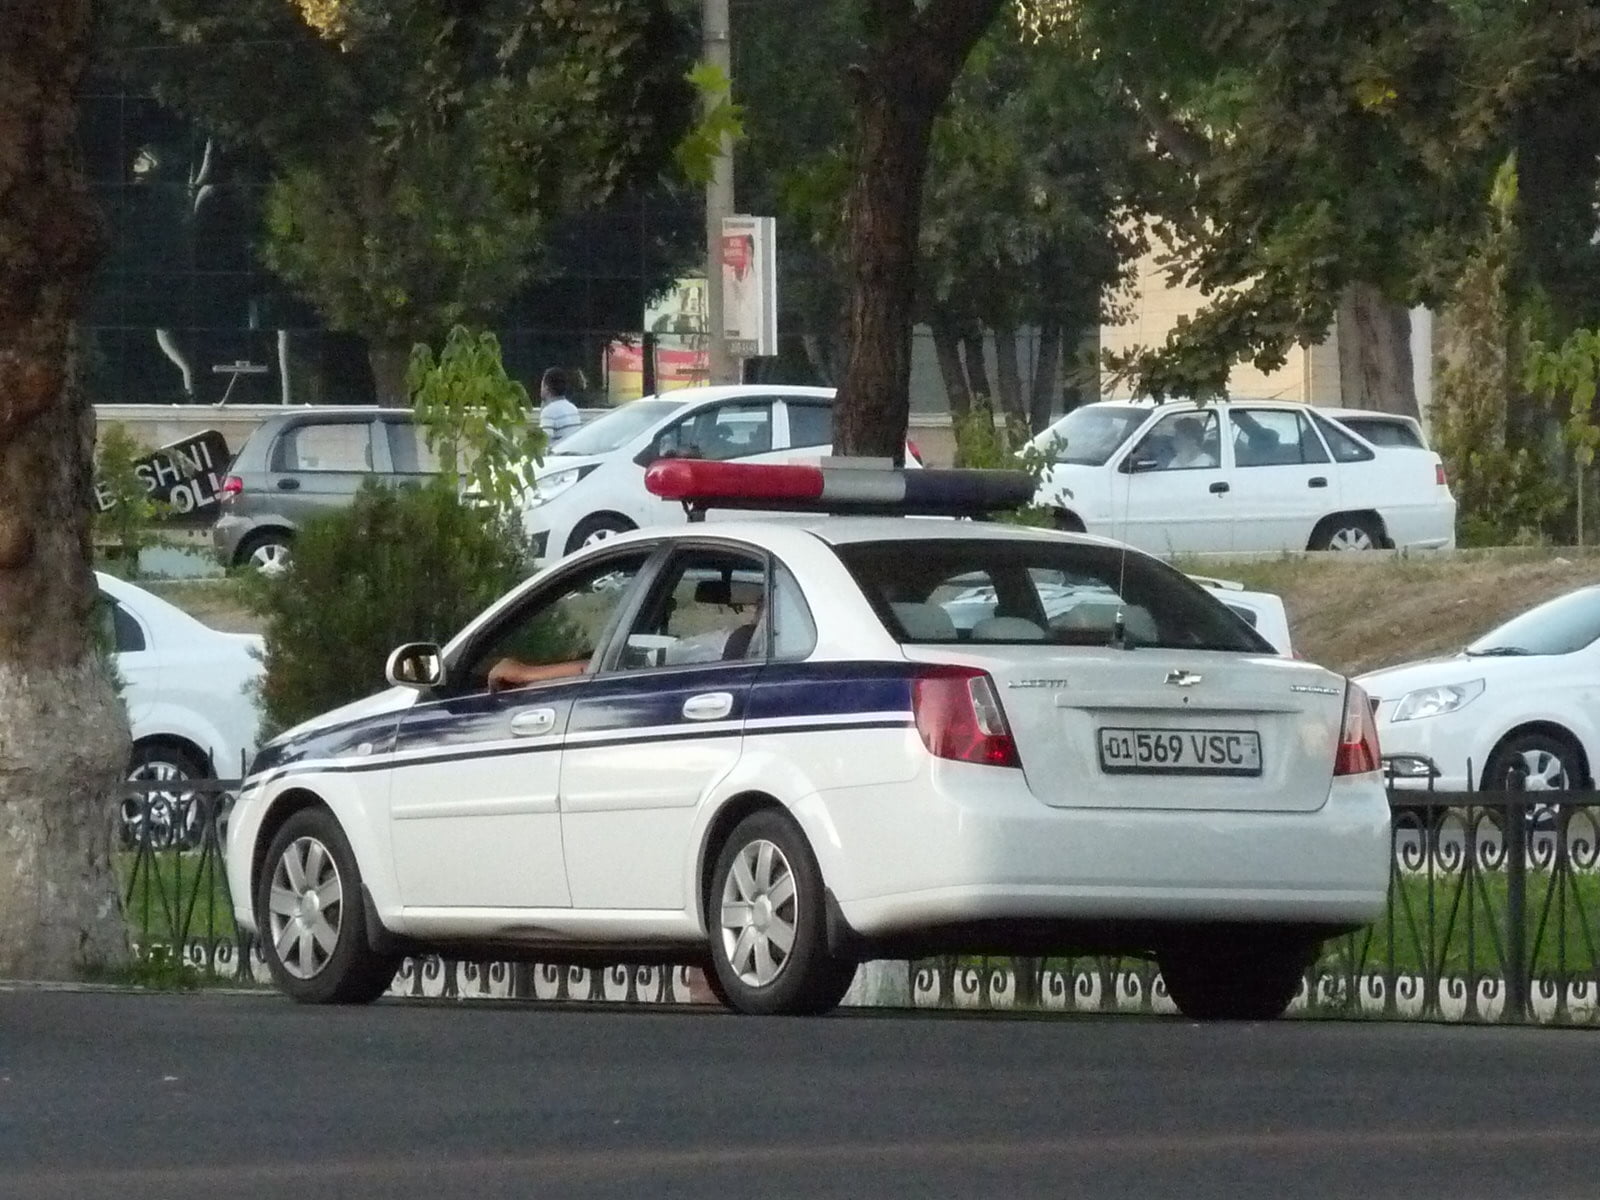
213, 1095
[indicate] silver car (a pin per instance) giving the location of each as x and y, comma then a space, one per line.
310, 460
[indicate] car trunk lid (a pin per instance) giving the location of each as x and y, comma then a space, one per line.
1164, 729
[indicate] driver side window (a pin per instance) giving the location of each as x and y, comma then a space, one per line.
1186, 441
709, 606
563, 628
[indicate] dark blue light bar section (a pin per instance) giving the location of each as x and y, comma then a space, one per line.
840, 490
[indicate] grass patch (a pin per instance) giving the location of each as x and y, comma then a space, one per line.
174, 896
1355, 613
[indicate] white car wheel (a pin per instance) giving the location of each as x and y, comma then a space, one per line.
306, 907
311, 910
758, 913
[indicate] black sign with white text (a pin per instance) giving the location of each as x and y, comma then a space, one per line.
184, 476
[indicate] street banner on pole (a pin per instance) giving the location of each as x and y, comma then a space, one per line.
750, 286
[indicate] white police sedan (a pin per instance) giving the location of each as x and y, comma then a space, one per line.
766, 747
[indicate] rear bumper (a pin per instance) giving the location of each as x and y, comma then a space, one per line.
977, 846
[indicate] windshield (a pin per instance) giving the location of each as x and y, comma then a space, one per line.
1560, 626
1091, 435
1015, 592
617, 428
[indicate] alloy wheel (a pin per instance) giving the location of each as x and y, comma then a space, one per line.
1351, 537
306, 907
270, 558
758, 913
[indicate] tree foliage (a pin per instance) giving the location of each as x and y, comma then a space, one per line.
1308, 147
421, 148
476, 417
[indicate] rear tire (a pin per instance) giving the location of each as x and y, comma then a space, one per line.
267, 552
174, 817
1346, 532
1248, 976
312, 917
767, 919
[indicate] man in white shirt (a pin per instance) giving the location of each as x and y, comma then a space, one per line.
558, 416
1191, 452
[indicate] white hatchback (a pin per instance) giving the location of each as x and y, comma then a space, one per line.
1239, 476
769, 748
1518, 709
189, 692
591, 484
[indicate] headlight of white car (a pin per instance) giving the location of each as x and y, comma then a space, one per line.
547, 487
1436, 701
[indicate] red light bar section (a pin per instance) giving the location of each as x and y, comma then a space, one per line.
696, 480
701, 485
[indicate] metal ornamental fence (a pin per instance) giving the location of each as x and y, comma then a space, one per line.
1493, 915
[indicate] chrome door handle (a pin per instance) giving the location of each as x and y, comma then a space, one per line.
712, 706
531, 722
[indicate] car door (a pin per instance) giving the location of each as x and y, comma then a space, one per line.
659, 726
138, 662
1170, 490
1283, 481
411, 461
808, 426
321, 464
475, 788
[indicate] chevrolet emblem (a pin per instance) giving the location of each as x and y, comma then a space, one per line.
1183, 678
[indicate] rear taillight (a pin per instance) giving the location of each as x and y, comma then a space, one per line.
1439, 476
960, 718
1358, 752
231, 487
915, 453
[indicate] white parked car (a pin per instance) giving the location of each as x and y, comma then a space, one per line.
765, 746
1241, 475
591, 484
1520, 706
189, 691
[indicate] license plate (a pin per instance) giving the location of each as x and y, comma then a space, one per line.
1180, 752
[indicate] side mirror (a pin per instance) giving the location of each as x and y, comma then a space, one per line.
415, 665
648, 455
1138, 466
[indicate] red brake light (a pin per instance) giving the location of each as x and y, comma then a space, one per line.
1358, 752
960, 718
1439, 476
911, 447
231, 487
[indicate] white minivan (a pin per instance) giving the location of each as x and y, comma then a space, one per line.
591, 483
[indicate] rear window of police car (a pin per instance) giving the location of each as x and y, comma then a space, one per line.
1018, 592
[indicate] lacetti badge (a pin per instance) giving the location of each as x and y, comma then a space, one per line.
1037, 683
1183, 678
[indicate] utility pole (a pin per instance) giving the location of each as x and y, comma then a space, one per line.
716, 51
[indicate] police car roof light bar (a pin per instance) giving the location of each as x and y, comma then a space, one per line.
701, 485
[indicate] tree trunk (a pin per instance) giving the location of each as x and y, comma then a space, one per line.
1009, 378
1046, 378
947, 348
914, 56
1375, 352
972, 350
63, 734
389, 362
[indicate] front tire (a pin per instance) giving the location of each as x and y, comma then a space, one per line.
596, 528
768, 923
1533, 762
1245, 977
311, 914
